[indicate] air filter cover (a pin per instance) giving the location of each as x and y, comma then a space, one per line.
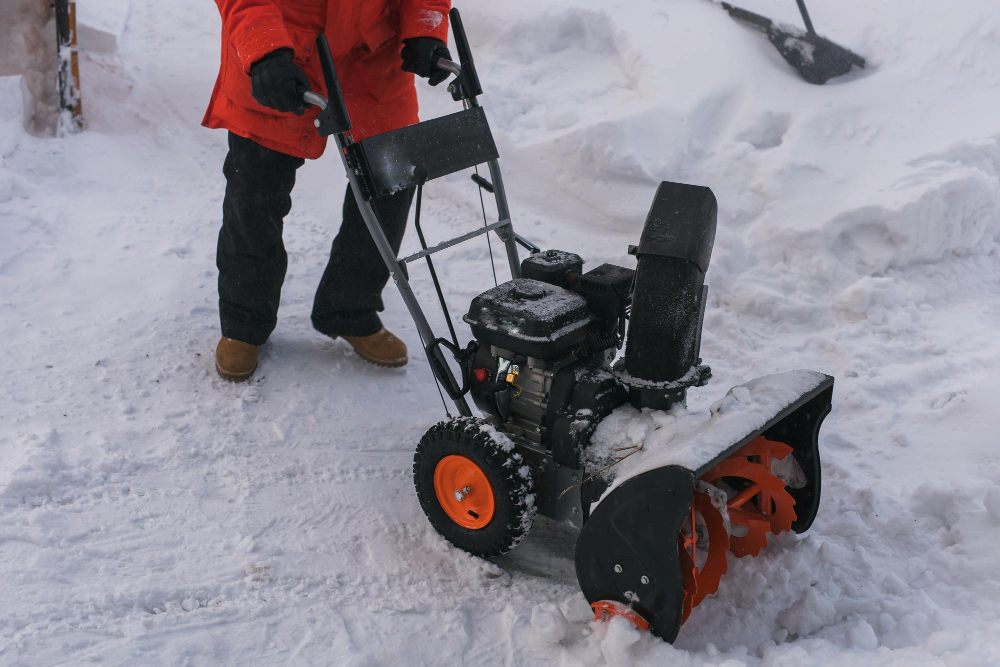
529, 317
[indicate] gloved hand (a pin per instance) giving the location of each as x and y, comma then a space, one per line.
278, 83
420, 56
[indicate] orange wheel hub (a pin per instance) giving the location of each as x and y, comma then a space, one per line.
464, 492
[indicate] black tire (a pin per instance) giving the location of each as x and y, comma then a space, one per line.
511, 480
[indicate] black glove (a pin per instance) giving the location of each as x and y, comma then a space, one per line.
278, 83
420, 56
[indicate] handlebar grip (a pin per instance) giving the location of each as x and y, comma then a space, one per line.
314, 99
334, 119
469, 85
448, 66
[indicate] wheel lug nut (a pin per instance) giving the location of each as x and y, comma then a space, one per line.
644, 579
618, 568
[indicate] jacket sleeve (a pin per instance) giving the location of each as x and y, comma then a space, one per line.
255, 27
424, 18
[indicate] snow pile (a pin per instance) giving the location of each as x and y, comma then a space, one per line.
101, 24
150, 513
548, 621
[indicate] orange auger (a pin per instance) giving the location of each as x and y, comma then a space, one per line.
762, 505
701, 580
658, 542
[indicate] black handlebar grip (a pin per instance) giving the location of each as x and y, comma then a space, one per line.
334, 119
440, 370
469, 79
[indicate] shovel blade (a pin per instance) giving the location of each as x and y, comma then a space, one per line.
815, 58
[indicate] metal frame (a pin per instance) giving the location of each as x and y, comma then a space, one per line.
504, 228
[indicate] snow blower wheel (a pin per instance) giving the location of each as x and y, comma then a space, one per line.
472, 489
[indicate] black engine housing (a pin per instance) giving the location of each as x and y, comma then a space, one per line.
543, 369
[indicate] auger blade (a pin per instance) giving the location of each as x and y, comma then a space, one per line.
639, 551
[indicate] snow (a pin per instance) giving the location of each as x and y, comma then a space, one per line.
101, 24
430, 18
152, 514
691, 438
548, 621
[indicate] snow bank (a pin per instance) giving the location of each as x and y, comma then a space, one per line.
101, 24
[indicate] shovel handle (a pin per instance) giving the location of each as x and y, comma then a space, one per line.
805, 17
761, 22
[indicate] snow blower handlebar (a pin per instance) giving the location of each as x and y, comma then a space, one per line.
409, 157
317, 100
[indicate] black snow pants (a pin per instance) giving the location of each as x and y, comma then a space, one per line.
252, 261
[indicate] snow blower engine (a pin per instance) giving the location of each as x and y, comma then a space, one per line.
655, 523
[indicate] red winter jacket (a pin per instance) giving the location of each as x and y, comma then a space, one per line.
365, 39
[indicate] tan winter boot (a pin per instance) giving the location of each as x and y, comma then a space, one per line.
234, 360
382, 348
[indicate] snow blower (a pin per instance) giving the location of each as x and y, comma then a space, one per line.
815, 58
655, 529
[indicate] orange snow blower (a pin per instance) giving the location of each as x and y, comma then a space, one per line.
656, 523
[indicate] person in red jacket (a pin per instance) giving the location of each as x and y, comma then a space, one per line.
268, 60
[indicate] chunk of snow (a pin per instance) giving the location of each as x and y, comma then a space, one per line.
861, 635
617, 645
549, 622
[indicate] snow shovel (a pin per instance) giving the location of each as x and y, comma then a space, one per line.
816, 58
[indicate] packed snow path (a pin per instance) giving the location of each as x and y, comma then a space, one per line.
153, 514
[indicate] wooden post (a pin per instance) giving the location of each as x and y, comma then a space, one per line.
71, 112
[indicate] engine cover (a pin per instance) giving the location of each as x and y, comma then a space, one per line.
529, 317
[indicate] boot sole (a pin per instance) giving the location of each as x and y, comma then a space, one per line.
234, 377
384, 363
